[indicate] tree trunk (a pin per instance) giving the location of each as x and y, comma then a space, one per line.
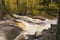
58, 26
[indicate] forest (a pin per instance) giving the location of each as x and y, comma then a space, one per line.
45, 8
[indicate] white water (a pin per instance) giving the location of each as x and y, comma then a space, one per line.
33, 25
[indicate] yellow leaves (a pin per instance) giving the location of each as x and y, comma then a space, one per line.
34, 6
35, 12
11, 4
29, 3
54, 5
6, 2
41, 0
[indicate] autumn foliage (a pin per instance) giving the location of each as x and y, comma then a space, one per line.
29, 7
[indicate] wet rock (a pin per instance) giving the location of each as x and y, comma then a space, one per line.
8, 32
